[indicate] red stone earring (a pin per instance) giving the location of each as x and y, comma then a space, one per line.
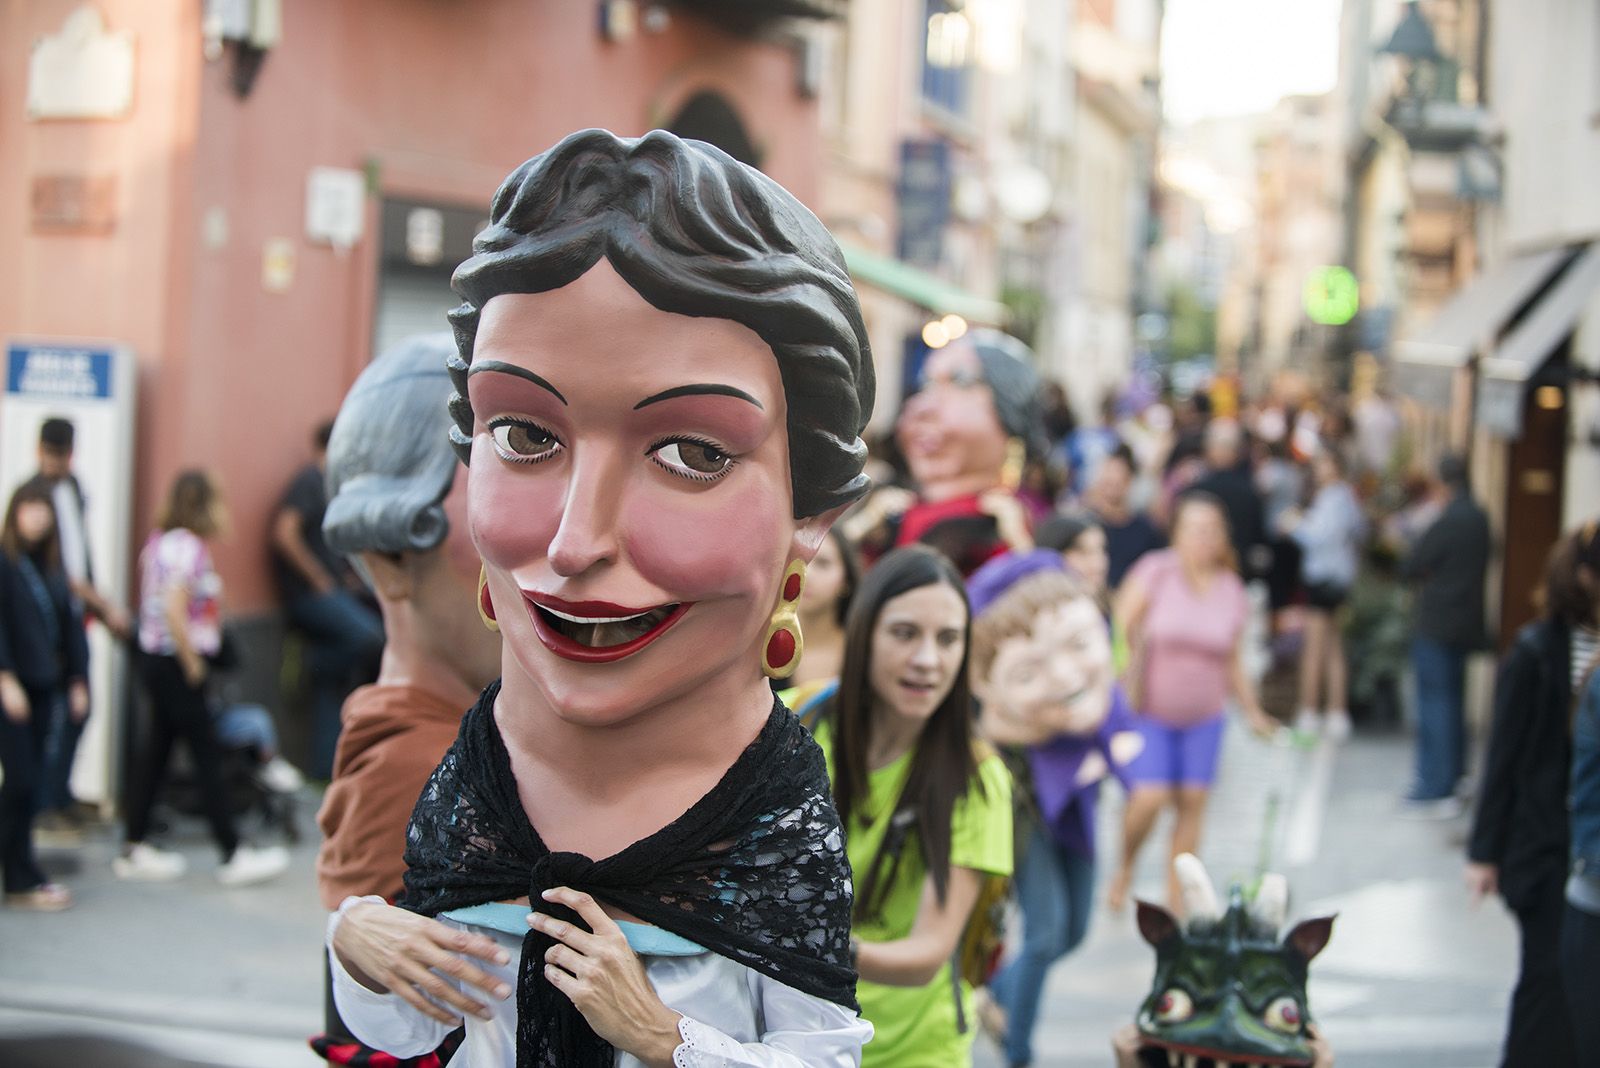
783, 644
485, 604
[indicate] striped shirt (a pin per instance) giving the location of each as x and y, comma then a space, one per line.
1585, 650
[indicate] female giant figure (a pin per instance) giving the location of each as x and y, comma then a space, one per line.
662, 379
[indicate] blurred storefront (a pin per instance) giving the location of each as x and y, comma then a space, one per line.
255, 196
1511, 359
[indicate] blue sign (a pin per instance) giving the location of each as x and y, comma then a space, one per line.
51, 371
924, 201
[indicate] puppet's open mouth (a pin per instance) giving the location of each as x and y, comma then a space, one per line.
1152, 1055
598, 632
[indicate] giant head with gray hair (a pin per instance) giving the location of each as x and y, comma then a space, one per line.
397, 506
390, 463
976, 411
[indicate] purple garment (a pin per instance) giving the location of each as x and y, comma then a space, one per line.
1067, 806
986, 585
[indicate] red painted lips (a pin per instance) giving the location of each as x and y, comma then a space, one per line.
578, 630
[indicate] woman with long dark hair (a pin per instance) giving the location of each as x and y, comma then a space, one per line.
44, 662
926, 808
1519, 843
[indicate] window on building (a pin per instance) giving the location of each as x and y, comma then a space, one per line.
947, 55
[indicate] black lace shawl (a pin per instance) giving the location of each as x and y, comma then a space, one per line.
777, 900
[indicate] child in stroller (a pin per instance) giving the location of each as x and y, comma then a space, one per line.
262, 785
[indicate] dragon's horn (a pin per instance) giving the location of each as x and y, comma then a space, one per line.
1271, 905
1199, 896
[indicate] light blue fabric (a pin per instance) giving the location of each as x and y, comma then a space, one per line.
643, 939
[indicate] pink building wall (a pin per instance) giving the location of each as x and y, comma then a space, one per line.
438, 100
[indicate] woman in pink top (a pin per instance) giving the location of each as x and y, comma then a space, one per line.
1184, 611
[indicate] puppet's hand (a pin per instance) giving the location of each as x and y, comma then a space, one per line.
388, 949
1126, 747
1092, 770
1125, 1044
605, 979
1009, 516
1324, 1052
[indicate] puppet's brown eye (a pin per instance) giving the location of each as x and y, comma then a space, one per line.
1283, 1015
1174, 1006
699, 460
522, 442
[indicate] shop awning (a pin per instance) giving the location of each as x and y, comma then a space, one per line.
1480, 309
1524, 350
920, 288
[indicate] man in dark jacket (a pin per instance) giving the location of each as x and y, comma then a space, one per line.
1446, 569
1228, 479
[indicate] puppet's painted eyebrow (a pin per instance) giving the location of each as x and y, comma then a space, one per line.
699, 389
512, 369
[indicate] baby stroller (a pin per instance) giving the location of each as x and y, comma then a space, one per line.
263, 788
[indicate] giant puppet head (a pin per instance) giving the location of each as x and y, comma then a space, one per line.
662, 379
976, 409
1228, 989
1041, 651
398, 506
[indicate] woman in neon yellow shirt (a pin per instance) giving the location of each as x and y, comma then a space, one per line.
926, 809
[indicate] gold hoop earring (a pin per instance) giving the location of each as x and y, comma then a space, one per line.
783, 644
485, 603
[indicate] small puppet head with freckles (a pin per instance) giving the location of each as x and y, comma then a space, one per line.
1041, 651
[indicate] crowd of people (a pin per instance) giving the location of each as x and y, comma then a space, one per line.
179, 647
779, 753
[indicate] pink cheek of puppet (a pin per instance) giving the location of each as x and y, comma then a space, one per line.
710, 545
514, 511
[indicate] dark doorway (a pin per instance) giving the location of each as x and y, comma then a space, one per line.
708, 117
1535, 484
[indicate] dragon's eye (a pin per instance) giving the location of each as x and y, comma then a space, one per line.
1174, 1006
1283, 1015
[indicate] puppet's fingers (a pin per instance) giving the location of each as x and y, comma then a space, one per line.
428, 986
458, 968
562, 931
472, 945
602, 925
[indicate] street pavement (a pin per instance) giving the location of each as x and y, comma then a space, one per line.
1412, 976
209, 976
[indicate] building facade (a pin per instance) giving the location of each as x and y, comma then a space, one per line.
264, 193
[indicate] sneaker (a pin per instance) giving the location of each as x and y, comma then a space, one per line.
146, 863
54, 830
280, 776
46, 897
251, 865
1436, 808
1306, 721
1338, 725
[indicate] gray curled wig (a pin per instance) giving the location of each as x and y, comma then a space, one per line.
388, 473
1008, 368
693, 232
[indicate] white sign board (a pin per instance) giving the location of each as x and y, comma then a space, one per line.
82, 72
91, 384
336, 205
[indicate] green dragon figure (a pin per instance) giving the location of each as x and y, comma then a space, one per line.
1227, 992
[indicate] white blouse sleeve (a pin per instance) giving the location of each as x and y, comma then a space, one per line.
383, 1021
801, 1031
